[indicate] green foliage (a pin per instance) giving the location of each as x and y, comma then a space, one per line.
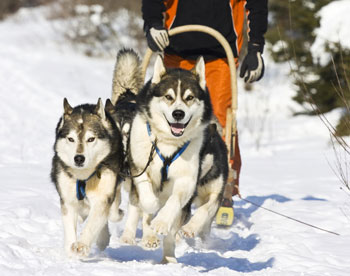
293, 23
330, 89
325, 86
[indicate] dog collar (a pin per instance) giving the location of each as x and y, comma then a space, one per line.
80, 186
166, 160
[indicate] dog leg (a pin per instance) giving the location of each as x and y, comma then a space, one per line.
103, 238
132, 220
202, 216
101, 195
69, 219
183, 190
169, 250
116, 214
149, 238
149, 203
169, 241
96, 220
204, 233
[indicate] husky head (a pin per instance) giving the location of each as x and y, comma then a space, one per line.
176, 101
84, 135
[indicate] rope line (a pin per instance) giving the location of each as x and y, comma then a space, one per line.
288, 217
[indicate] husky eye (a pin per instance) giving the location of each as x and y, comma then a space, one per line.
189, 98
168, 97
91, 139
70, 139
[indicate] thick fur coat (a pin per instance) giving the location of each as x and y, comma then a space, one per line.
85, 167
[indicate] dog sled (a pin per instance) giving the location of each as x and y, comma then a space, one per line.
225, 214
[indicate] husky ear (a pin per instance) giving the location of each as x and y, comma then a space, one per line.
67, 108
199, 70
159, 70
109, 107
67, 111
100, 109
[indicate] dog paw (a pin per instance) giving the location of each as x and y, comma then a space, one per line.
150, 242
187, 232
80, 249
127, 240
160, 227
169, 260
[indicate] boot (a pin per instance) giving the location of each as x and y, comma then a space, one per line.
225, 214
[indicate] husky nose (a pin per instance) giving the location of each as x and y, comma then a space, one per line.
178, 114
79, 159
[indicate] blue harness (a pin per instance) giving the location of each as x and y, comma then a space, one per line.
81, 184
167, 160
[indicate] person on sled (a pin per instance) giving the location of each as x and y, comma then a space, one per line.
182, 50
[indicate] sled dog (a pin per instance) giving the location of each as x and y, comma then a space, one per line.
127, 83
88, 156
176, 157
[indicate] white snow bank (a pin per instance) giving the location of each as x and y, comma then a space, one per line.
334, 28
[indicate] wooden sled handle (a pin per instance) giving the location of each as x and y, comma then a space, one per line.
231, 126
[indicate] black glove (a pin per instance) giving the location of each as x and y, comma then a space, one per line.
157, 38
253, 67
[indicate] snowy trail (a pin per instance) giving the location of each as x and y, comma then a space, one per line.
289, 173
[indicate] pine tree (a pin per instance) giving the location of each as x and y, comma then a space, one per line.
293, 23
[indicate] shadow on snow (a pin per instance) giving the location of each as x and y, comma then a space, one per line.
211, 261
208, 261
130, 253
243, 213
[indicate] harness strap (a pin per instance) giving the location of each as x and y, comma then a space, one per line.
80, 187
167, 160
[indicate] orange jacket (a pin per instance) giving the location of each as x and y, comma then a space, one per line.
226, 16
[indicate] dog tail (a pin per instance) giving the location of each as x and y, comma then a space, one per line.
127, 74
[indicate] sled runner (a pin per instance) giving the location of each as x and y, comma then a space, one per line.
225, 214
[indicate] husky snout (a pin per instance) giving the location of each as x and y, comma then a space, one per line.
178, 114
79, 160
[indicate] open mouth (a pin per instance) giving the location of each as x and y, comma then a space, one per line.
177, 129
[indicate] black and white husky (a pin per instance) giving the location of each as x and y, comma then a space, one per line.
176, 157
85, 167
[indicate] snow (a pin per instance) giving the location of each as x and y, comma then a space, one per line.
286, 167
334, 28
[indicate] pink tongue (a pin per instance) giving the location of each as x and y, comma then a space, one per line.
177, 128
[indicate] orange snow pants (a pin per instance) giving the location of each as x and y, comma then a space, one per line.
218, 81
